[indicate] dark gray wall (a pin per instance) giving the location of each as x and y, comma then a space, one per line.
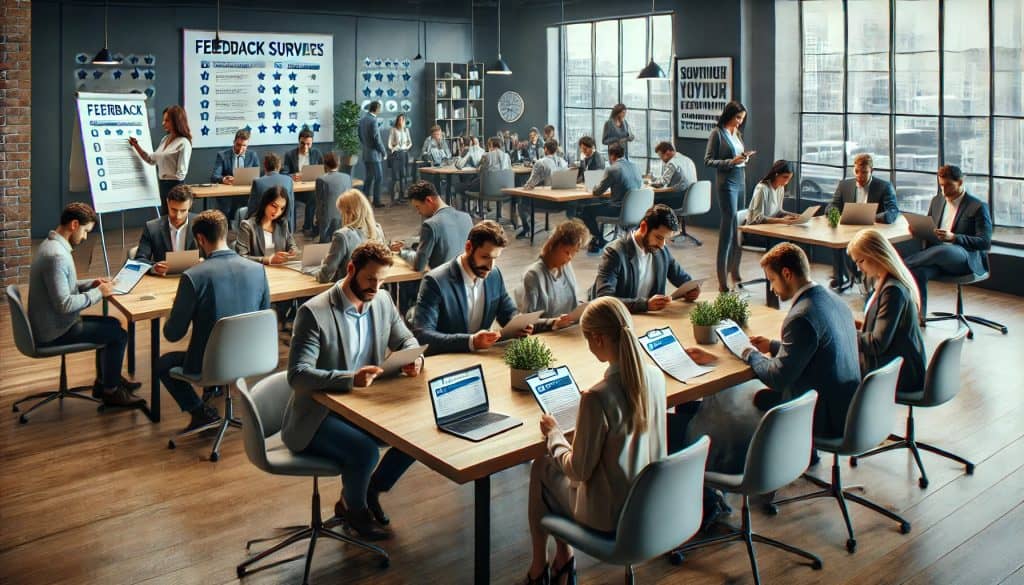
63, 29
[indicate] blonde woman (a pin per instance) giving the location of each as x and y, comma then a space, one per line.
549, 284
357, 226
620, 428
891, 326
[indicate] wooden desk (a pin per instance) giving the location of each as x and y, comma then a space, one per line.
450, 170
153, 298
817, 232
222, 190
399, 411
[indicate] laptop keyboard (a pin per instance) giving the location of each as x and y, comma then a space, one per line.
476, 422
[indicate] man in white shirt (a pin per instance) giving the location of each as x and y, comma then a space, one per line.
677, 173
541, 175
172, 233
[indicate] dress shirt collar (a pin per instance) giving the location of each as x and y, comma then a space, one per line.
468, 278
810, 284
641, 254
348, 303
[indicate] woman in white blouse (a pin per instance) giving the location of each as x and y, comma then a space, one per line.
399, 144
766, 204
549, 284
172, 156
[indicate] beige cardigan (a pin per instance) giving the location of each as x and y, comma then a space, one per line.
605, 456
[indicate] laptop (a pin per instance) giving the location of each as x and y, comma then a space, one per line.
246, 175
460, 405
312, 257
563, 179
591, 179
922, 227
806, 215
859, 214
311, 172
178, 262
129, 276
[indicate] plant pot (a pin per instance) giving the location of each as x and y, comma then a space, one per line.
519, 377
349, 160
705, 334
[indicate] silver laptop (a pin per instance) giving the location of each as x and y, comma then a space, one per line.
311, 172
592, 178
922, 227
312, 257
858, 214
246, 175
178, 262
563, 179
806, 215
461, 408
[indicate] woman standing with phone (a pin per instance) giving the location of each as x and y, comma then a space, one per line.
173, 154
726, 153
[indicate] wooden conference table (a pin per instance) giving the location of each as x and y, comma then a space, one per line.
206, 191
399, 412
450, 170
817, 232
153, 297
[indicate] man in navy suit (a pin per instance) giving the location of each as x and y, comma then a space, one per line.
224, 285
460, 299
303, 155
272, 177
373, 153
964, 233
172, 233
237, 157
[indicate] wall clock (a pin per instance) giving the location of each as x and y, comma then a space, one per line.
511, 106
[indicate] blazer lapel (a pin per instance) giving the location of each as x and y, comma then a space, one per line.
960, 211
165, 235
458, 291
381, 331
338, 313
630, 255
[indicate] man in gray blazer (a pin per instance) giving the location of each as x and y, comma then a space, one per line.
341, 336
634, 268
621, 176
443, 231
459, 300
56, 298
225, 284
303, 155
374, 153
818, 350
272, 178
328, 188
237, 157
168, 234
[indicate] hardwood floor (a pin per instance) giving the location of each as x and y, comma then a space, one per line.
98, 498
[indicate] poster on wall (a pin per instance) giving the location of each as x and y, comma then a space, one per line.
272, 84
703, 87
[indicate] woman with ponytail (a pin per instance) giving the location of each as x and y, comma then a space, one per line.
620, 428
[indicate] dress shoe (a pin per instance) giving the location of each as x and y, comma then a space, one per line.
120, 396
201, 417
129, 385
361, 522
373, 504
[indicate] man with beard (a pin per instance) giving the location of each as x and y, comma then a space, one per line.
56, 299
635, 266
465, 295
341, 336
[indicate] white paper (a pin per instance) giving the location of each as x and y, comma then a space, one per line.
686, 287
129, 276
577, 313
557, 394
806, 216
734, 338
519, 322
401, 358
667, 352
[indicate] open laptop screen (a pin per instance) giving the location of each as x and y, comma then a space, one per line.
458, 394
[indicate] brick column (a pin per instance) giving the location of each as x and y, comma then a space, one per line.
15, 140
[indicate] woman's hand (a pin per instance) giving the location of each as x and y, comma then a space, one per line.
547, 424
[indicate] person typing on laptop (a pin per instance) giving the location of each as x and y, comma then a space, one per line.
540, 175
168, 234
237, 157
340, 337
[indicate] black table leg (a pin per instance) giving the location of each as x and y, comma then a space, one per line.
482, 528
131, 347
533, 224
154, 380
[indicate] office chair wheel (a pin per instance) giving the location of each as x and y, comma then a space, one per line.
214, 457
23, 419
970, 469
170, 444
771, 509
851, 545
922, 482
853, 462
816, 565
905, 528
676, 558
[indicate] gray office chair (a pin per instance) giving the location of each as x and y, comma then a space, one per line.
696, 201
867, 424
741, 218
634, 205
491, 184
777, 455
239, 346
941, 383
959, 315
21, 328
663, 508
240, 214
263, 410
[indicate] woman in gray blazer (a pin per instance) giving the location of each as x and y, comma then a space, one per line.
549, 284
358, 225
616, 130
726, 154
265, 237
890, 327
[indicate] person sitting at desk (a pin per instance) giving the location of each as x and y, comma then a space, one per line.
265, 237
329, 187
549, 284
769, 193
341, 337
237, 157
590, 159
634, 267
533, 148
294, 160
471, 156
550, 133
168, 234
222, 286
620, 177
435, 148
964, 233
359, 225
863, 188
620, 428
890, 328
56, 299
818, 350
540, 175
495, 159
465, 296
677, 173
272, 178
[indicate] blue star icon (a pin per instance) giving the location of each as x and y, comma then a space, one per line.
277, 102
260, 102
367, 76
367, 92
277, 76
313, 76
277, 89
293, 103
391, 93
82, 74
204, 116
405, 92
277, 115
378, 76
150, 74
406, 77
136, 74
262, 128
292, 127
205, 76
106, 132
293, 76
261, 115
261, 88
204, 89
204, 104
277, 128
97, 74
120, 132
379, 92
205, 130
293, 89
117, 74
248, 128
261, 76
391, 77
316, 126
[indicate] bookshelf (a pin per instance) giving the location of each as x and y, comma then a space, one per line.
457, 100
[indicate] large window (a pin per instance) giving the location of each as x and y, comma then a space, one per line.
599, 64
916, 83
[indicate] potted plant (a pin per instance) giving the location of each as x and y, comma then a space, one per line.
346, 132
525, 356
704, 316
833, 216
732, 306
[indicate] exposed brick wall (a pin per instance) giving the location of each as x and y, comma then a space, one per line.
15, 140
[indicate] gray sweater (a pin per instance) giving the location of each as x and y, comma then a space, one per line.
55, 295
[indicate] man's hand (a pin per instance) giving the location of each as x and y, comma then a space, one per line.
525, 331
945, 235
562, 321
762, 344
297, 177
106, 288
365, 376
160, 268
700, 356
484, 339
412, 370
859, 324
692, 295
547, 424
280, 257
397, 246
98, 282
659, 302
228, 180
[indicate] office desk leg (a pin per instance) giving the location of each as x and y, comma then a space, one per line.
533, 224
131, 347
482, 528
154, 380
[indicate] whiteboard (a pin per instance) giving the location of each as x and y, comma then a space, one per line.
118, 178
272, 84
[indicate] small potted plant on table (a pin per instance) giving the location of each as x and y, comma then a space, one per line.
526, 356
